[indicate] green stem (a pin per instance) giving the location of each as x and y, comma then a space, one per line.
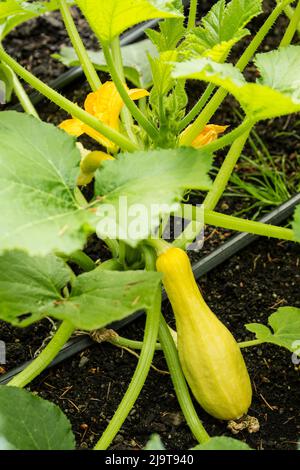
210, 109
130, 343
139, 376
111, 265
248, 344
259, 37
113, 246
122, 253
180, 386
23, 97
162, 114
249, 226
149, 258
289, 11
129, 103
82, 260
225, 172
160, 246
45, 357
68, 106
125, 113
292, 27
197, 108
21, 93
192, 14
219, 184
86, 64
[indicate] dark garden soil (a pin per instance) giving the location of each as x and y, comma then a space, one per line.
248, 288
245, 289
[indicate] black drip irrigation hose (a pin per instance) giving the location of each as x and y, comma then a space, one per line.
205, 265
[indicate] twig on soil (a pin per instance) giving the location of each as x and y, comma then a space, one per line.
272, 408
130, 351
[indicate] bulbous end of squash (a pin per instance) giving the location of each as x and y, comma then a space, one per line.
210, 357
214, 368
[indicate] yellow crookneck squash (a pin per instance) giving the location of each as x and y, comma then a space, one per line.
210, 357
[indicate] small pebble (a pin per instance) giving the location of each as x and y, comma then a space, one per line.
83, 361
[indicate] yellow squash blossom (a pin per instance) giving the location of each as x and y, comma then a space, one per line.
105, 104
209, 134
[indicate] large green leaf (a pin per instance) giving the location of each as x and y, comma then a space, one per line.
100, 297
137, 188
31, 288
29, 285
222, 27
285, 323
28, 422
222, 443
135, 61
8, 8
111, 17
38, 170
15, 12
280, 70
276, 93
296, 224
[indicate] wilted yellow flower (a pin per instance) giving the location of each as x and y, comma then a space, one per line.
105, 104
209, 134
89, 165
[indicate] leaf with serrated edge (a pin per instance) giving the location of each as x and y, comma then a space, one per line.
28, 422
161, 73
141, 186
285, 323
110, 18
100, 297
222, 27
39, 165
171, 30
259, 100
280, 70
28, 284
31, 288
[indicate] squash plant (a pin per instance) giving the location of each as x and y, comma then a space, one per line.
148, 153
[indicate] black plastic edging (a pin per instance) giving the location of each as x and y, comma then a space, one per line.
205, 265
